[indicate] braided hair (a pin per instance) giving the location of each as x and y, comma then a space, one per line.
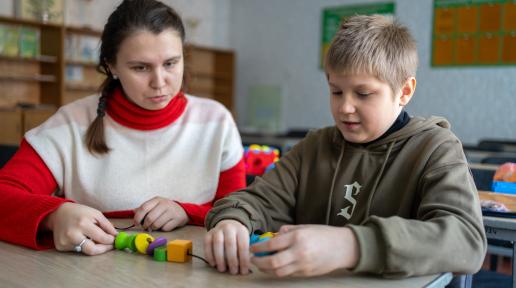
128, 18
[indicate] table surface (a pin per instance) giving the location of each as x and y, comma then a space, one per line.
22, 267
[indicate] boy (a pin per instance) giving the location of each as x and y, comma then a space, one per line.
384, 193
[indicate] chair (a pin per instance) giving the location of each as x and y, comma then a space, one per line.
461, 281
498, 160
6, 152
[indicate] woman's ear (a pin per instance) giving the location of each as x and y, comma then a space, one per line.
407, 90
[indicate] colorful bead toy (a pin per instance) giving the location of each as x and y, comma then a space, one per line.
159, 249
257, 238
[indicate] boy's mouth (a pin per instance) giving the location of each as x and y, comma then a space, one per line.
351, 124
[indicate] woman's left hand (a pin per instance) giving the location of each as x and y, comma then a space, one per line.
307, 250
160, 213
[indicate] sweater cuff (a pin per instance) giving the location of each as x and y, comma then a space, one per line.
372, 250
226, 214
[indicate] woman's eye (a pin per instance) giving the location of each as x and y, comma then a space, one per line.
139, 68
336, 93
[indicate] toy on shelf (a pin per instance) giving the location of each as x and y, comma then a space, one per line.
143, 243
260, 159
504, 180
257, 238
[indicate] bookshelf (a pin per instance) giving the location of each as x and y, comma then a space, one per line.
61, 68
210, 74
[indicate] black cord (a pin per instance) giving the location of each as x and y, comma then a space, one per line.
129, 227
199, 257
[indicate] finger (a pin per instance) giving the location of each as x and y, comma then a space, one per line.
106, 225
218, 250
280, 242
230, 249
289, 270
157, 217
98, 235
91, 248
171, 225
288, 228
208, 251
243, 252
276, 261
141, 212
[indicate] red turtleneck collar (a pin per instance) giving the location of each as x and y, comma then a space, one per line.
133, 116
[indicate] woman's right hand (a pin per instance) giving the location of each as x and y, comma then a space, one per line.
227, 245
71, 223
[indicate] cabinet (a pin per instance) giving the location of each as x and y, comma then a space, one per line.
62, 69
210, 74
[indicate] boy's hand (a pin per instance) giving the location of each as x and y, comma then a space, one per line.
160, 213
227, 245
307, 250
71, 223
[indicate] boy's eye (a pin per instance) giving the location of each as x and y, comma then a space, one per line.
169, 64
363, 94
336, 93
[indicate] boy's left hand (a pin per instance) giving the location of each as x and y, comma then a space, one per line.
160, 213
307, 250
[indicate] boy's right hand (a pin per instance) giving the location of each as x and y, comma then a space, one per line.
71, 223
227, 245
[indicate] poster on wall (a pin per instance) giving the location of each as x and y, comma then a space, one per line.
46, 11
474, 33
333, 16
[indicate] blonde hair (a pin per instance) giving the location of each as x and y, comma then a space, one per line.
376, 45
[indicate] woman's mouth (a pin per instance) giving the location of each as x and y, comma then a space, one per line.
158, 98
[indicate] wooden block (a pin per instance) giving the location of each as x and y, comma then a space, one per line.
509, 49
178, 250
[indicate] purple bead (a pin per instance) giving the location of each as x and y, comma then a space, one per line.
160, 241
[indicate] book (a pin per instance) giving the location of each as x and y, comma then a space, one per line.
29, 42
10, 37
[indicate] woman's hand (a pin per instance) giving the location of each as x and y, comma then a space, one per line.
71, 223
227, 245
160, 213
307, 250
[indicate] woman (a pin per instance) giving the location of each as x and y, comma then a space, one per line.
141, 149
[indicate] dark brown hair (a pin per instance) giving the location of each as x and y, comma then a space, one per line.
129, 17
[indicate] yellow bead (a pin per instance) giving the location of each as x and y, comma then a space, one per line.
267, 234
179, 251
142, 241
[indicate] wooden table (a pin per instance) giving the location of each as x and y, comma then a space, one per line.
22, 267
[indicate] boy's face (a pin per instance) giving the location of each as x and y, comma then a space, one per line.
363, 106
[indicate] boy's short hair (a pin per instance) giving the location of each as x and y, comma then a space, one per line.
376, 45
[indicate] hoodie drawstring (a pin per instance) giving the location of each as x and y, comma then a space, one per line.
376, 181
333, 184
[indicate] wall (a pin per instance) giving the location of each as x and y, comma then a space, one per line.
278, 43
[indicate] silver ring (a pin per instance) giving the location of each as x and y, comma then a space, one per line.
78, 248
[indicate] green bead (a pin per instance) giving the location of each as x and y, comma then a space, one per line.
160, 254
132, 245
121, 241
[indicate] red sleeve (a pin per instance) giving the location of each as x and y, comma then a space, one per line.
26, 185
230, 180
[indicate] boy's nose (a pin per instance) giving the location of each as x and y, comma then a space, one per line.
347, 107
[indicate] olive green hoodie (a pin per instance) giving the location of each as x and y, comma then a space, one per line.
409, 198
